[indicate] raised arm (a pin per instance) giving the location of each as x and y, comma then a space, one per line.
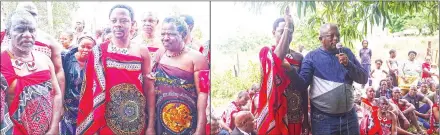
200, 63
148, 87
282, 48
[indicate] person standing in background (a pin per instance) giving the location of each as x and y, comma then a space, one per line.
365, 54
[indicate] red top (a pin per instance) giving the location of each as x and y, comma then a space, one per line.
424, 74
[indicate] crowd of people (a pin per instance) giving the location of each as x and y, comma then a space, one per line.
124, 79
314, 93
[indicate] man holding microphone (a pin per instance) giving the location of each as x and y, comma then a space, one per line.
330, 71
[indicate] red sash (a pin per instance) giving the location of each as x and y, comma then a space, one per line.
272, 106
24, 106
373, 114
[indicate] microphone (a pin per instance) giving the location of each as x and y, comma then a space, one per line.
339, 47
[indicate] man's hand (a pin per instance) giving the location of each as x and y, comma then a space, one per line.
288, 19
305, 128
343, 59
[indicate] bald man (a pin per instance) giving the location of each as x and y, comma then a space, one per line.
44, 43
331, 72
245, 122
234, 107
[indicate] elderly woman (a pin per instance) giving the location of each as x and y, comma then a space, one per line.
180, 103
73, 64
411, 72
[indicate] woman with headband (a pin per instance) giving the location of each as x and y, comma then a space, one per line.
73, 65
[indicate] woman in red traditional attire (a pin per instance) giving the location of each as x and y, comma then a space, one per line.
181, 103
117, 91
30, 97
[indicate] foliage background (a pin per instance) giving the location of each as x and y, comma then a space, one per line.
386, 25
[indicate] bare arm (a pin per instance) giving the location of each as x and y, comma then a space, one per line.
200, 63
55, 47
427, 101
394, 124
57, 101
148, 87
371, 73
409, 107
388, 64
282, 47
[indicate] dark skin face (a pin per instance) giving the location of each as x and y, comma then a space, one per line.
329, 38
412, 56
121, 23
365, 44
172, 40
383, 85
424, 88
84, 48
378, 65
384, 105
79, 26
396, 94
243, 100
412, 91
370, 93
149, 24
22, 33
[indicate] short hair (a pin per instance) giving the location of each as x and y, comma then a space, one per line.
86, 37
255, 86
20, 13
369, 87
238, 117
414, 52
107, 31
130, 10
396, 88
392, 51
242, 94
326, 27
189, 20
181, 25
150, 13
365, 41
383, 80
378, 60
276, 23
69, 33
383, 99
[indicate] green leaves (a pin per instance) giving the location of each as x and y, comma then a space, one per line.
349, 15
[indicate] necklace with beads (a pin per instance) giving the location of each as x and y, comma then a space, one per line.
20, 64
114, 49
175, 55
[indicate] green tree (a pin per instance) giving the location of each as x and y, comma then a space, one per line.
348, 15
61, 12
